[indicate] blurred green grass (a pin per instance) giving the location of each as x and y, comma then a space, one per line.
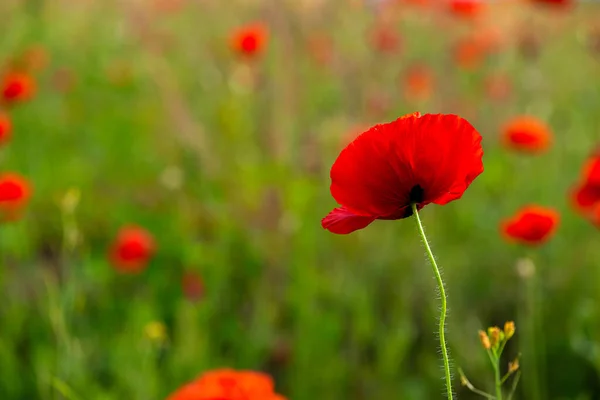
329, 317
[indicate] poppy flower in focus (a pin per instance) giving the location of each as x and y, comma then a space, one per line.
17, 87
533, 225
526, 134
228, 384
14, 195
416, 159
192, 286
418, 83
386, 40
132, 249
466, 8
249, 40
5, 128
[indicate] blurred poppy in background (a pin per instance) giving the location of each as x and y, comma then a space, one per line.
249, 40
414, 159
386, 40
466, 8
132, 249
17, 87
192, 286
468, 53
498, 86
418, 83
5, 128
14, 195
532, 225
526, 134
554, 3
228, 384
586, 194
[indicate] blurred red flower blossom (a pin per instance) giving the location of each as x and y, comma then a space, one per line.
228, 384
414, 159
386, 40
586, 194
418, 82
17, 87
14, 195
498, 87
5, 128
532, 225
132, 249
527, 134
466, 8
192, 286
249, 40
554, 3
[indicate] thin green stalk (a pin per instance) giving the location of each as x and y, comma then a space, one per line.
443, 308
497, 380
495, 360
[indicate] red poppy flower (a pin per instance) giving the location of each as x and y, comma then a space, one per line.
532, 225
498, 87
469, 53
466, 8
17, 87
249, 40
14, 195
415, 159
228, 384
5, 128
132, 249
587, 193
418, 83
554, 3
386, 40
192, 286
527, 134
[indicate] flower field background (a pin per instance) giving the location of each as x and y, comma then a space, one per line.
164, 169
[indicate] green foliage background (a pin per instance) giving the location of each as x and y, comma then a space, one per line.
330, 317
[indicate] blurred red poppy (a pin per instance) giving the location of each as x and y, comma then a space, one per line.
192, 286
554, 3
132, 249
14, 195
17, 87
469, 54
228, 384
527, 134
249, 40
533, 225
587, 193
498, 87
418, 83
386, 40
415, 159
466, 8
35, 58
5, 128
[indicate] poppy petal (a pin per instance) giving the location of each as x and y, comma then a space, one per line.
342, 221
444, 165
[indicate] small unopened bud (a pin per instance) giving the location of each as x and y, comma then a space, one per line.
513, 366
464, 381
509, 329
495, 335
485, 340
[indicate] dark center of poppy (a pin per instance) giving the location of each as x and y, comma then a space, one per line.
416, 194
